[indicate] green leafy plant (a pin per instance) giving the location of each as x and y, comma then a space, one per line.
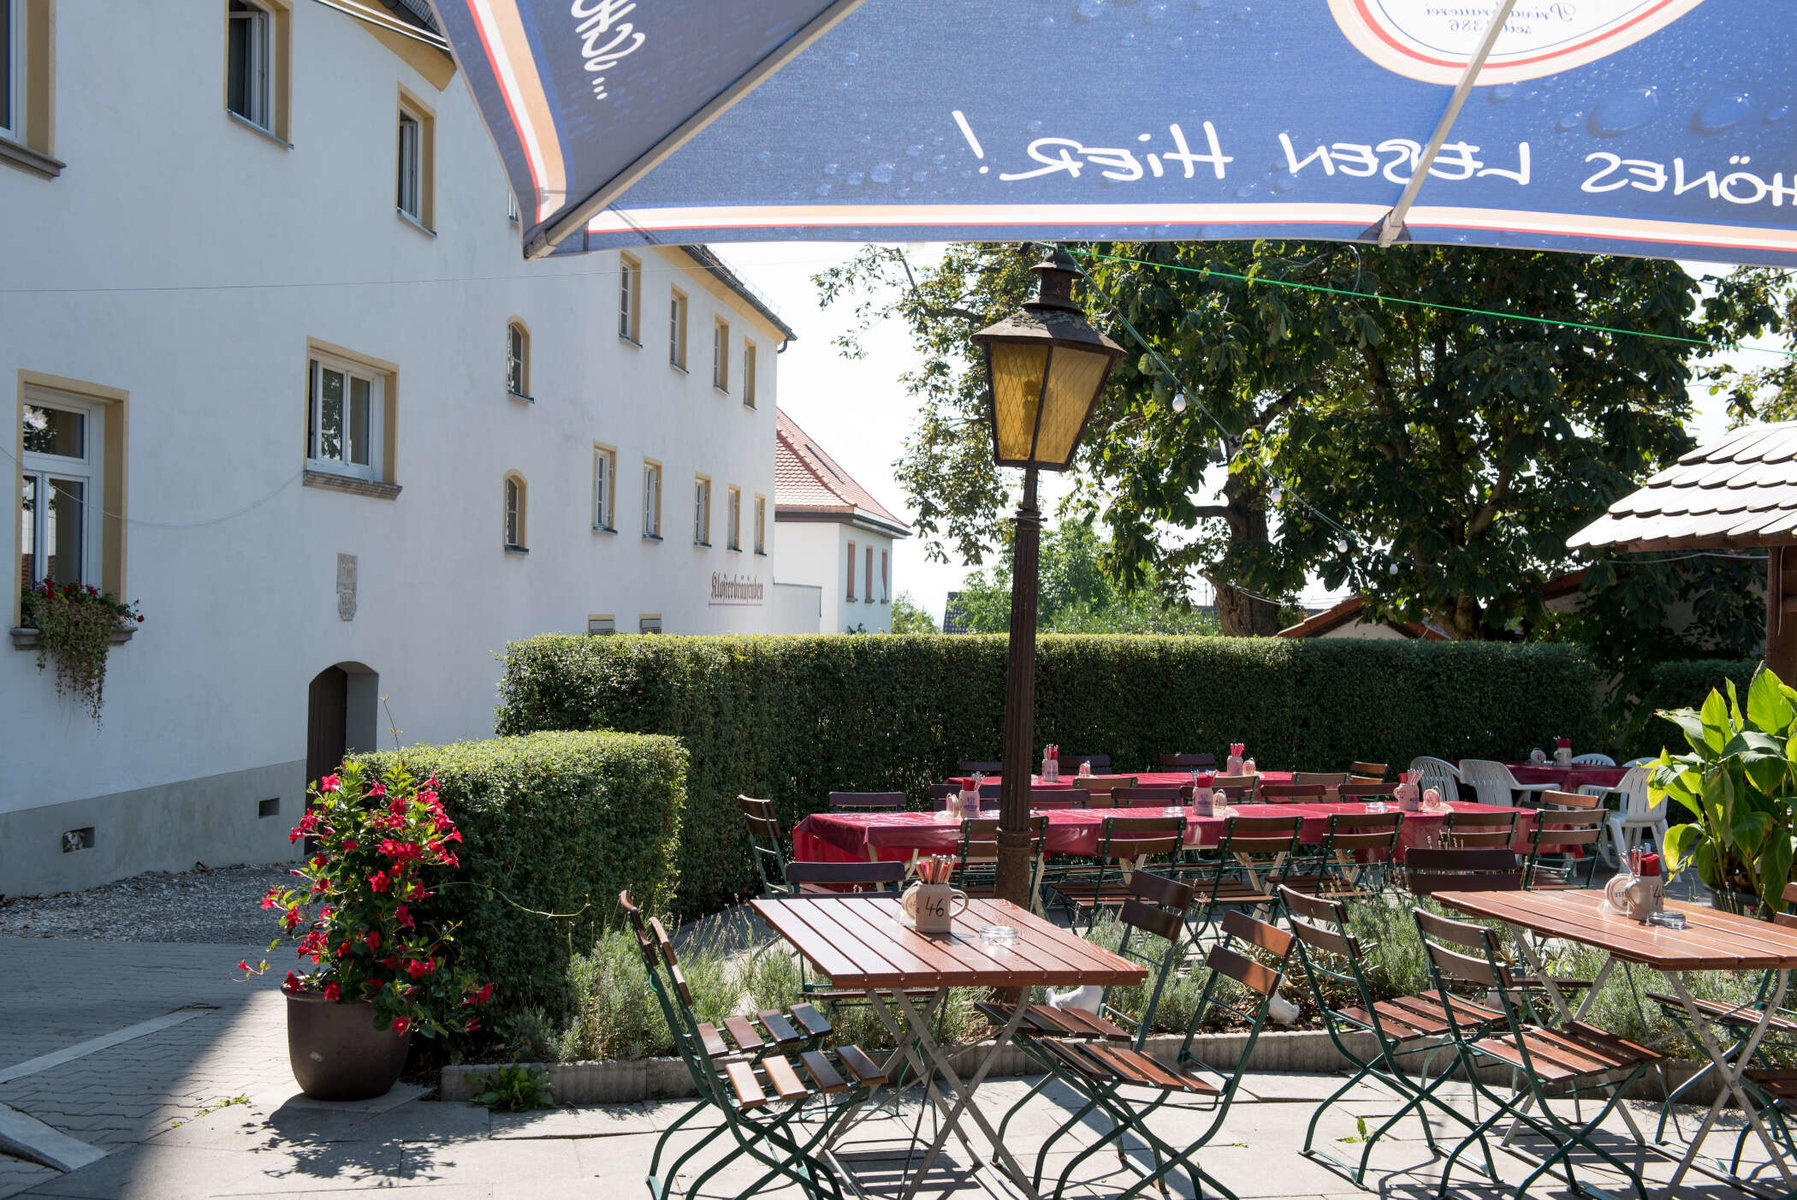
75, 623
517, 1088
369, 918
1740, 783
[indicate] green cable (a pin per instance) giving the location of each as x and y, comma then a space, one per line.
1477, 312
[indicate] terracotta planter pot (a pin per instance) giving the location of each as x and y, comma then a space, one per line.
337, 1053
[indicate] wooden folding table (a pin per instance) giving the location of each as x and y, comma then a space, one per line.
1710, 941
862, 944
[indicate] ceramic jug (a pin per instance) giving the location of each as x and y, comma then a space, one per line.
931, 906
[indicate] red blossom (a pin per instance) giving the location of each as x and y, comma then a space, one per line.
402, 916
378, 881
244, 965
291, 918
292, 985
481, 995
378, 789
332, 992
269, 900
373, 938
329, 783
401, 1024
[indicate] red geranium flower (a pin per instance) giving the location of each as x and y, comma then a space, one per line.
329, 783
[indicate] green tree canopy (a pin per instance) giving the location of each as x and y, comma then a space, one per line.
908, 616
1431, 457
1077, 594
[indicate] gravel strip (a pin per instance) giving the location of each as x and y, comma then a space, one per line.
217, 905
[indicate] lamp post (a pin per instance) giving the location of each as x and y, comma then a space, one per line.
1046, 365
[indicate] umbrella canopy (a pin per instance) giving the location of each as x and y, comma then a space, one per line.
1646, 127
1738, 493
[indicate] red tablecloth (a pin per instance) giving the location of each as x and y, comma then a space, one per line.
895, 837
1565, 779
1143, 778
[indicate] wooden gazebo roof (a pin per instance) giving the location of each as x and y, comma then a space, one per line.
1739, 493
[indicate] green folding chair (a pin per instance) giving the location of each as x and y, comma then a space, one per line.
1126, 844
1547, 1064
1129, 1087
753, 1084
1351, 860
1244, 871
1402, 1027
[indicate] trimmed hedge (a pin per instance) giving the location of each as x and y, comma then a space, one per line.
555, 822
1680, 684
792, 718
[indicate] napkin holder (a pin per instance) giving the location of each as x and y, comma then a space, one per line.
1563, 752
1407, 794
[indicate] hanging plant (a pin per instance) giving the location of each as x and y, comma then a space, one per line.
75, 624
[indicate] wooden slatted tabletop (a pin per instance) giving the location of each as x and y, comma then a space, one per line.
1710, 941
860, 944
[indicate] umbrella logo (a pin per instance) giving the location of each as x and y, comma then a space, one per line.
1433, 41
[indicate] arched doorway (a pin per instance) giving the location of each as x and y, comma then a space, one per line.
341, 706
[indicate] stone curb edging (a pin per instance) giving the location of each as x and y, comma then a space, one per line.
1301, 1052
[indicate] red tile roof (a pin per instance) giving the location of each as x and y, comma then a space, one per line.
809, 481
1347, 613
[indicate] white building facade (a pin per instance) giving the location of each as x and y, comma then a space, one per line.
282, 378
834, 535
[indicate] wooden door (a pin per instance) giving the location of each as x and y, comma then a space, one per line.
326, 716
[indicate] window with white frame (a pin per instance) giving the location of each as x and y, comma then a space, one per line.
720, 355
868, 591
851, 594
12, 69
761, 524
517, 359
345, 418
630, 299
605, 472
748, 374
701, 511
61, 500
733, 521
516, 514
651, 500
677, 329
885, 577
249, 86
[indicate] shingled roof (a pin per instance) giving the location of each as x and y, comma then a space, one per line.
1739, 492
810, 486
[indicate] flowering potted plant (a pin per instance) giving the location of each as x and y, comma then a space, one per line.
382, 956
76, 624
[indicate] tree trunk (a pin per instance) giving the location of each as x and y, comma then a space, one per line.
1242, 615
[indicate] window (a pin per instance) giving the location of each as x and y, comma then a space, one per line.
605, 471
648, 624
701, 511
345, 419
414, 194
651, 500
27, 96
851, 570
517, 501
601, 626
677, 330
868, 591
761, 524
748, 374
59, 522
12, 68
720, 355
885, 577
630, 299
249, 72
734, 519
517, 359
71, 514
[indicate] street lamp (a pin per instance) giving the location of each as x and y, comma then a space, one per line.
1046, 365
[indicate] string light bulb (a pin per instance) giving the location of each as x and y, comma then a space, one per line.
1179, 402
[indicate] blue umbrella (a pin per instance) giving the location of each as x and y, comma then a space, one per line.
1661, 128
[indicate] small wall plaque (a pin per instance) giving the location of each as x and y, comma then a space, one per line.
346, 587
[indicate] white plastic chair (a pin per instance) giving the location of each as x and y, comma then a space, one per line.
1438, 773
1639, 822
1593, 760
1490, 780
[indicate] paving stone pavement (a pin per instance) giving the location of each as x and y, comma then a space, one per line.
142, 1102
